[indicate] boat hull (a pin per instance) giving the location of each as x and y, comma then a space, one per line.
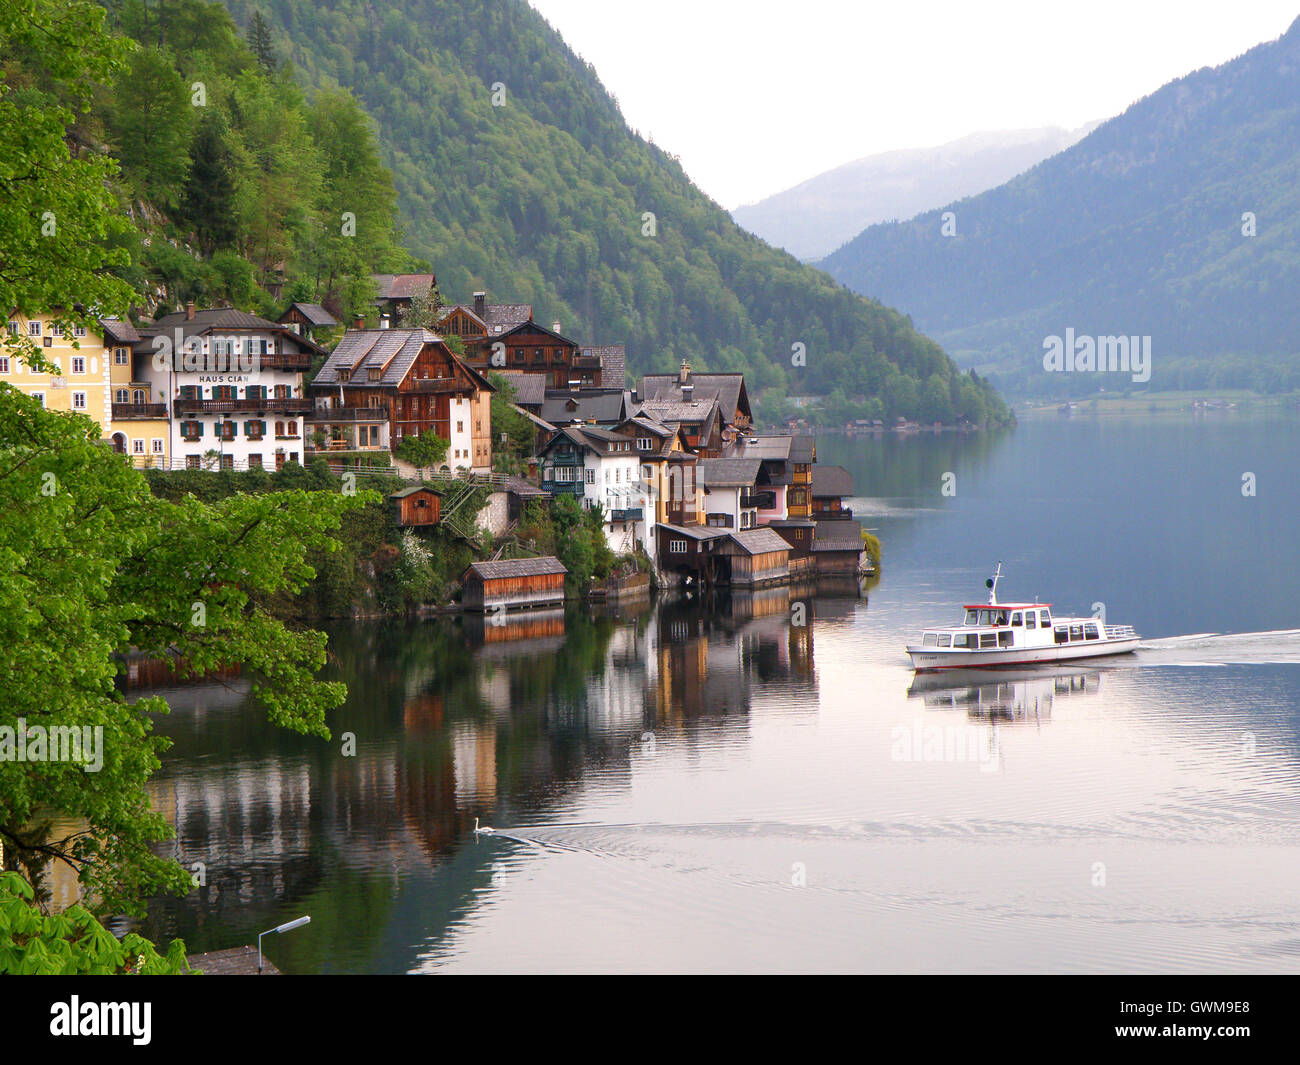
928, 659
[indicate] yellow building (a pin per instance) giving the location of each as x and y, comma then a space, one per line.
94, 374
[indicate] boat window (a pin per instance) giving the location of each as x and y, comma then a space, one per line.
988, 639
1045, 618
945, 639
1015, 618
1030, 619
1076, 632
968, 639
930, 639
1090, 631
1062, 634
1004, 638
972, 617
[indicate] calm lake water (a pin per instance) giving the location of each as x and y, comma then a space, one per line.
713, 787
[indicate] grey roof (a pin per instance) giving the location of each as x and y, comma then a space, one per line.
502, 317
403, 493
212, 318
803, 449
831, 481
613, 364
760, 541
695, 532
590, 436
837, 536
392, 350
728, 473
119, 330
727, 388
762, 447
517, 567
402, 286
313, 312
530, 388
522, 488
603, 406
694, 412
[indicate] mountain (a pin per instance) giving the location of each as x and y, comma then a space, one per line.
1141, 229
818, 215
516, 173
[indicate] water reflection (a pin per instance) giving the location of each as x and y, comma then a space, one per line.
1009, 696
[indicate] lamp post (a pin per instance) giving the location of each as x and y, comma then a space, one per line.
288, 926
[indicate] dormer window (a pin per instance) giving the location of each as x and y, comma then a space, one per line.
374, 373
345, 375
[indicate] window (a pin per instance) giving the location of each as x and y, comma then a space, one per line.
460, 427
122, 356
227, 462
255, 392
972, 617
945, 639
121, 396
374, 402
930, 639
1076, 633
566, 473
139, 396
255, 462
1044, 619
191, 392
14, 329
677, 547
1090, 631
79, 331
254, 429
225, 392
56, 330
293, 428
137, 446
33, 329
4, 363
1015, 618
191, 462
644, 443
279, 429
159, 446
1004, 638
283, 392
591, 476
78, 401
192, 430
988, 639
39, 397
374, 373
1062, 634
227, 430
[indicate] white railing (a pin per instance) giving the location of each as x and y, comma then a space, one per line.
1121, 632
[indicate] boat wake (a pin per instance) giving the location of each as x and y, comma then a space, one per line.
1280, 646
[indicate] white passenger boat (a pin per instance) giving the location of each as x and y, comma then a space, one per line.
1005, 634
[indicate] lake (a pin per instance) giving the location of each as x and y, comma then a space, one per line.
717, 787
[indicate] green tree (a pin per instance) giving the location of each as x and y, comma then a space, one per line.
259, 40
514, 432
423, 451
151, 124
208, 200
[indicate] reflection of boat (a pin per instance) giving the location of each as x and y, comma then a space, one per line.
1000, 634
1015, 695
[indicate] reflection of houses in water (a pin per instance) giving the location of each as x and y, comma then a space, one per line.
1002, 696
544, 625
712, 660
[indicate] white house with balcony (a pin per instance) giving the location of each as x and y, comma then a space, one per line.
603, 468
234, 385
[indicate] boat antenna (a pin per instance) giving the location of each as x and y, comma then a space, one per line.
992, 585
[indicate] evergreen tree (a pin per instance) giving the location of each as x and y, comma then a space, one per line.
208, 200
259, 40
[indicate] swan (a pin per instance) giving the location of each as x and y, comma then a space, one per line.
486, 830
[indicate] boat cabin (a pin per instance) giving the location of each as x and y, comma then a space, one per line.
1016, 615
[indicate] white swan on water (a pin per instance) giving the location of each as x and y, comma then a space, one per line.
486, 830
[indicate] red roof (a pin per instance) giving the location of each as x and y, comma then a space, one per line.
1002, 606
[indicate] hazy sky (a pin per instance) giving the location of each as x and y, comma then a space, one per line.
755, 96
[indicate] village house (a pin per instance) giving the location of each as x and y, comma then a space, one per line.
730, 495
830, 486
416, 507
599, 467
93, 374
234, 382
685, 386
605, 407
308, 319
700, 420
394, 293
380, 386
751, 557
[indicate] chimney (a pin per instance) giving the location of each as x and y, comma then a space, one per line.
383, 321
684, 373
359, 322
189, 310
555, 327
480, 303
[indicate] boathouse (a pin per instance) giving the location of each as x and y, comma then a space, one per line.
416, 507
514, 583
837, 547
753, 556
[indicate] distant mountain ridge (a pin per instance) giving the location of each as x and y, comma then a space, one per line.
819, 215
1142, 228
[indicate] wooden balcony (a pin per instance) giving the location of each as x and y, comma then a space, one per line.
339, 415
128, 411
439, 385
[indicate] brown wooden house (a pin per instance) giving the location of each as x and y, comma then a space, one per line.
402, 382
830, 486
513, 584
416, 507
751, 557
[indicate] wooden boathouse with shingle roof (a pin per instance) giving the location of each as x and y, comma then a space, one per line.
514, 584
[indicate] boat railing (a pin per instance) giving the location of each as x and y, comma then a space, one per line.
1120, 632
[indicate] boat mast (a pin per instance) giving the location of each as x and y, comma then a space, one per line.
992, 585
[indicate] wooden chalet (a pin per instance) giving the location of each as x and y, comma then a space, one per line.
394, 293
306, 319
387, 384
830, 486
700, 420
417, 507
684, 386
837, 547
513, 584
